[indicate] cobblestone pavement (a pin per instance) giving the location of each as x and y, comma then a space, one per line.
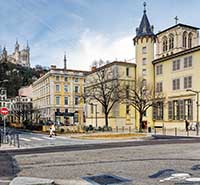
144, 165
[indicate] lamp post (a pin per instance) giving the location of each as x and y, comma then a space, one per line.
197, 103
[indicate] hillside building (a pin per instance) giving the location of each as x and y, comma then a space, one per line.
18, 57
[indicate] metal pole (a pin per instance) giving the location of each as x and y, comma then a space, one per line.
96, 114
197, 113
4, 125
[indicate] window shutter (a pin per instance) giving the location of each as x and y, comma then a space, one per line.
170, 110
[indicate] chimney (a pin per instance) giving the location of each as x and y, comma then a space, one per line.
53, 66
94, 68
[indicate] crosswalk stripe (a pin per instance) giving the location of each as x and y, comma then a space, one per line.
49, 137
61, 137
5, 181
35, 138
25, 139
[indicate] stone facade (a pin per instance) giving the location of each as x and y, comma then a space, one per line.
18, 57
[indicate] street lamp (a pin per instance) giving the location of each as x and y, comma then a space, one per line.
197, 102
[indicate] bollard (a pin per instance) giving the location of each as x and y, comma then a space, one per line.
154, 130
0, 138
116, 128
123, 129
18, 141
129, 129
163, 130
14, 139
187, 132
175, 131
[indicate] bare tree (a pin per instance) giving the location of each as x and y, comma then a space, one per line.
22, 111
141, 96
36, 114
103, 86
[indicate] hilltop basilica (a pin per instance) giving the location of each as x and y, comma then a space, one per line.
20, 57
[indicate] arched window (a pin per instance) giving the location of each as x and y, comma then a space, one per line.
164, 44
171, 41
190, 40
185, 39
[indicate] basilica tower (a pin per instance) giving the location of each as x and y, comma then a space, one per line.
144, 54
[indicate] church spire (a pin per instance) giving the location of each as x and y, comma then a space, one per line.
16, 45
27, 46
4, 52
145, 29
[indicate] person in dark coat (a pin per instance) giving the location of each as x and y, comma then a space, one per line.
187, 125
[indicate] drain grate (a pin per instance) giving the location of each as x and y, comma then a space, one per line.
105, 179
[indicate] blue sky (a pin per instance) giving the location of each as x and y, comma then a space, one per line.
85, 29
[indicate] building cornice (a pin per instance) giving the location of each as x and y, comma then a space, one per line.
113, 63
181, 53
177, 25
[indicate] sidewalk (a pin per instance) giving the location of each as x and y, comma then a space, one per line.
7, 147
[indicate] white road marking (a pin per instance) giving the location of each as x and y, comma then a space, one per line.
35, 138
61, 137
4, 181
49, 137
24, 139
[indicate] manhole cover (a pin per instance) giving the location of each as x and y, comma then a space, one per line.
105, 179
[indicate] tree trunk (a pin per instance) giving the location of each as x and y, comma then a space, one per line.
106, 119
140, 122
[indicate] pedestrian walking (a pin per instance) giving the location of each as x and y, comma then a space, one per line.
187, 125
50, 131
53, 129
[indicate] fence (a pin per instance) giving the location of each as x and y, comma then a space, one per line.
176, 131
10, 137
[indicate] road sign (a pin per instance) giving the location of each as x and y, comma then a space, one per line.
4, 111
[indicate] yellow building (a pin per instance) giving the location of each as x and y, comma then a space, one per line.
173, 70
56, 95
121, 115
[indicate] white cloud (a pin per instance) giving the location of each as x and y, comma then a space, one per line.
94, 46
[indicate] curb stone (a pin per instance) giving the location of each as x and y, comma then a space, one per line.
31, 181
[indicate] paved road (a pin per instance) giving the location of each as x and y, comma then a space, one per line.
144, 162
127, 159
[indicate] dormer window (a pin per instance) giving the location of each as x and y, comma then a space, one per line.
164, 44
171, 41
190, 40
185, 39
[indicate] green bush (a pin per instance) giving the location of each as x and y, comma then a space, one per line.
105, 128
62, 130
90, 128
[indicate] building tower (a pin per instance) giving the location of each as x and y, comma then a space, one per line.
28, 54
16, 46
144, 54
65, 62
4, 54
